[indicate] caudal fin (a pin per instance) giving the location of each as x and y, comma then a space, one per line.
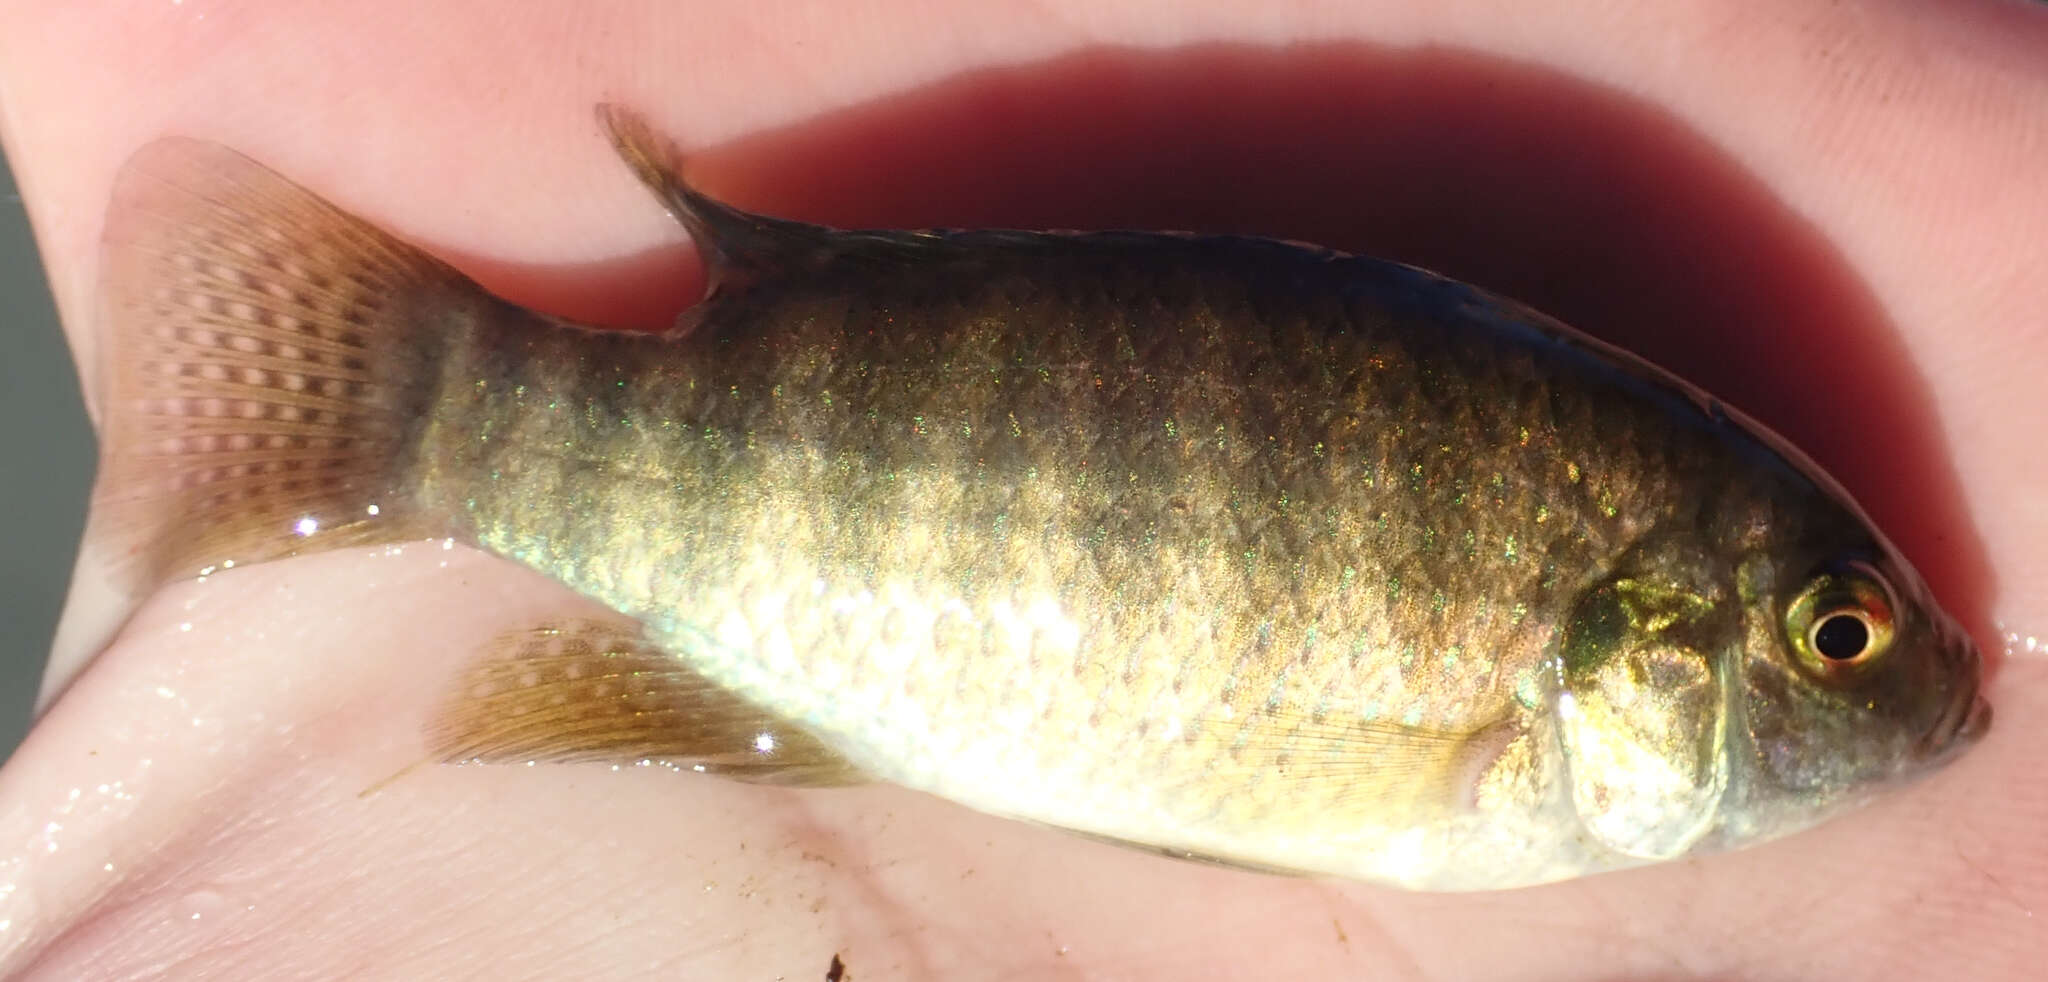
266, 361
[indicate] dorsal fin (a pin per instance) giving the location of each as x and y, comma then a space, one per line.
737, 246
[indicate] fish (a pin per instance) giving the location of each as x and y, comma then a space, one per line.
1231, 549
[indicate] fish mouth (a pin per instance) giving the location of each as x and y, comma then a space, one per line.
1967, 716
1963, 722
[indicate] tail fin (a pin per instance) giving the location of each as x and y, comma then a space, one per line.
266, 362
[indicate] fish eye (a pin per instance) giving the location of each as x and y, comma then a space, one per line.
1841, 621
1841, 636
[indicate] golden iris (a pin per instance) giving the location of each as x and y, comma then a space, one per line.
1841, 622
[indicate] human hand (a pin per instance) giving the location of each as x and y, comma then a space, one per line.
1826, 215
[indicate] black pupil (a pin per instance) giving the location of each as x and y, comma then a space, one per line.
1841, 636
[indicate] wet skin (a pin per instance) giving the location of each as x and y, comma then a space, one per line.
1823, 214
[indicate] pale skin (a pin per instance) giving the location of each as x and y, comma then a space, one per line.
192, 804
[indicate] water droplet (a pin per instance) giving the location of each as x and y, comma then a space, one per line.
199, 905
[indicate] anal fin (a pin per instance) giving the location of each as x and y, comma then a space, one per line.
597, 690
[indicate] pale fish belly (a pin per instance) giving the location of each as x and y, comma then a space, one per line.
1000, 705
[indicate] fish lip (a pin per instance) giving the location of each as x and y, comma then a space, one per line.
1977, 723
1963, 722
1967, 716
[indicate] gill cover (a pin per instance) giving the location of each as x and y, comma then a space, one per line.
1642, 711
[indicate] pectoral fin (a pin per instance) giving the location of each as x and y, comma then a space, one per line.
587, 690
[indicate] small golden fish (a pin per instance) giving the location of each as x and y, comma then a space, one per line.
1223, 547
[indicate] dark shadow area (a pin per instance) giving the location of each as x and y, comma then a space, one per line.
46, 465
1600, 209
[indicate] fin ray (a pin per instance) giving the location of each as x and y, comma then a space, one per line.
1343, 762
599, 691
267, 361
736, 246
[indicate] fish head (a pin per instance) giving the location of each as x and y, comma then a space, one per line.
1718, 694
1851, 677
